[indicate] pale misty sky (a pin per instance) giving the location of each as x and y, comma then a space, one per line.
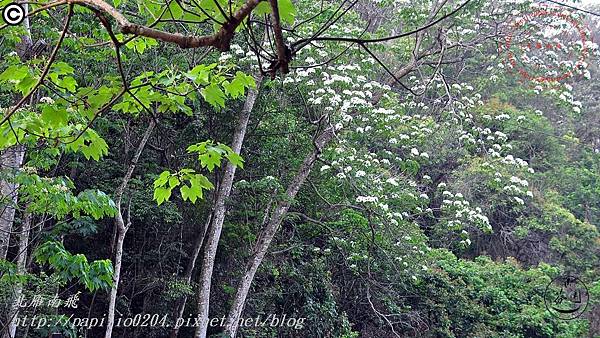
583, 3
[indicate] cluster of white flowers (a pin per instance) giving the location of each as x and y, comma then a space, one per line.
517, 189
460, 213
515, 179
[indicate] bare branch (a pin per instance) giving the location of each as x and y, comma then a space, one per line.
301, 43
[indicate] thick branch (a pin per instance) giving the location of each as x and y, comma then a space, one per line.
282, 54
220, 40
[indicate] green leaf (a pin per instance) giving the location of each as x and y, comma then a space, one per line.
90, 144
214, 95
101, 97
14, 72
69, 83
236, 159
140, 46
26, 85
54, 116
210, 7
194, 17
94, 276
262, 8
162, 179
198, 183
175, 11
203, 181
173, 182
287, 11
195, 192
237, 87
62, 68
185, 192
162, 194
201, 73
210, 160
198, 147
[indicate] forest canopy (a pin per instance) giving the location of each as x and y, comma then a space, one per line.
294, 168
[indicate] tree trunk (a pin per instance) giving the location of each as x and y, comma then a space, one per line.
268, 232
214, 231
122, 228
11, 161
21, 260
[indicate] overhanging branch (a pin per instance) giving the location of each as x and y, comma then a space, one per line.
220, 40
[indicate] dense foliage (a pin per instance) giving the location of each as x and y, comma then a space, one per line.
361, 185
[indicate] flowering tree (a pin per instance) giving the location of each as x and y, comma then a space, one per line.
400, 142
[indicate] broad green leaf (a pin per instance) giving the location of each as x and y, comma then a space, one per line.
54, 116
194, 192
238, 85
161, 194
262, 8
185, 192
26, 85
174, 11
101, 97
62, 68
15, 72
211, 8
194, 17
236, 159
287, 11
91, 145
203, 181
210, 160
200, 74
214, 95
173, 182
162, 179
69, 83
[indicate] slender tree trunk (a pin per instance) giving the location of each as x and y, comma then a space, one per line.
11, 161
122, 230
21, 260
214, 231
268, 232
